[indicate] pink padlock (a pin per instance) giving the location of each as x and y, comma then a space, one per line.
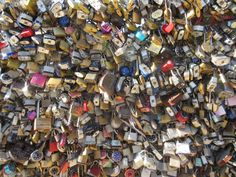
38, 80
106, 27
69, 30
31, 115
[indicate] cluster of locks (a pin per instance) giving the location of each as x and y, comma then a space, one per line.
118, 88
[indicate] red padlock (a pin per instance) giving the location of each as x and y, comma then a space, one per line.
169, 65
129, 173
180, 117
53, 147
64, 167
79, 110
3, 44
168, 27
28, 32
95, 170
85, 106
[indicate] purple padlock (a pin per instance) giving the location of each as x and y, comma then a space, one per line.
31, 115
106, 27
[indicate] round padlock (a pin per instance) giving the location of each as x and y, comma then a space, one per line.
94, 170
116, 156
152, 138
125, 71
54, 171
129, 173
36, 156
116, 171
6, 79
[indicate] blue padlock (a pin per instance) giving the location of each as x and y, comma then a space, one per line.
9, 169
231, 115
125, 71
145, 71
141, 35
116, 156
64, 21
196, 60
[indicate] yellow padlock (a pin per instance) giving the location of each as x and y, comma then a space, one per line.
90, 28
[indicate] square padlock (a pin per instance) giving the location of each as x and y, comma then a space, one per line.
42, 124
38, 80
91, 78
49, 39
25, 19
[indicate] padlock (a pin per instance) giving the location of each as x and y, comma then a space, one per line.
220, 59
25, 19
49, 39
138, 161
38, 80
130, 136
212, 84
167, 28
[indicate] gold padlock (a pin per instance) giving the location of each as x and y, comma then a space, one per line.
55, 157
201, 88
83, 8
46, 163
29, 5
206, 68
81, 82
99, 17
54, 83
64, 46
90, 28
42, 125
125, 13
109, 65
110, 9
131, 26
186, 4
83, 159
13, 64
151, 24
90, 88
102, 120
82, 43
32, 66
136, 17
190, 14
35, 137
106, 37
59, 32
85, 63
104, 106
